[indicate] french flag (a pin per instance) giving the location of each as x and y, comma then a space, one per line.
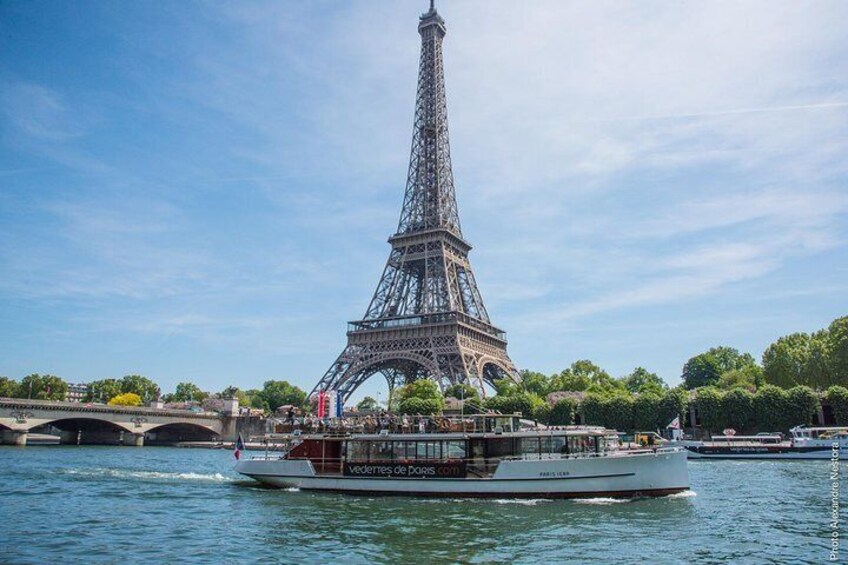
239, 447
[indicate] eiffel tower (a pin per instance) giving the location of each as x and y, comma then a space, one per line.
427, 318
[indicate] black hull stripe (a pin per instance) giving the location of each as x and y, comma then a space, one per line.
507, 494
438, 479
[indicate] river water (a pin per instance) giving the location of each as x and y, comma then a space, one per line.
94, 504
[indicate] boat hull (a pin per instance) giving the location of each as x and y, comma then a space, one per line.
764, 452
621, 475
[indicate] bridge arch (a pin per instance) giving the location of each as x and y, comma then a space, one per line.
176, 432
82, 423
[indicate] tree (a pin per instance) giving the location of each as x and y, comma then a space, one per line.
280, 393
708, 404
771, 409
126, 399
534, 382
186, 392
619, 408
142, 386
43, 387
255, 399
568, 381
706, 368
422, 406
837, 347
803, 405
562, 413
368, 404
738, 409
784, 360
640, 380
103, 390
673, 404
462, 391
749, 378
524, 403
837, 397
9, 388
646, 411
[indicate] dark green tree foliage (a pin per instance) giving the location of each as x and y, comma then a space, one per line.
462, 391
708, 405
592, 408
186, 392
646, 412
738, 410
9, 388
542, 413
583, 375
562, 413
420, 397
281, 393
255, 399
785, 359
142, 386
641, 380
520, 402
803, 406
673, 404
368, 404
837, 397
706, 369
536, 383
422, 406
749, 378
103, 390
771, 406
43, 387
837, 350
619, 408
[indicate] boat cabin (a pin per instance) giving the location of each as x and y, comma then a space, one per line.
445, 455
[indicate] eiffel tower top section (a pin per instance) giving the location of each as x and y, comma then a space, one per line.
430, 200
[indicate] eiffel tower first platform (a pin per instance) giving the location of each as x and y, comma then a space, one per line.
427, 318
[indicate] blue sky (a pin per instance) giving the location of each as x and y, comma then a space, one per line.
203, 191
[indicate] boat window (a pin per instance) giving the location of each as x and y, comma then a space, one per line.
357, 450
500, 447
581, 444
429, 450
404, 450
529, 445
555, 444
455, 450
381, 451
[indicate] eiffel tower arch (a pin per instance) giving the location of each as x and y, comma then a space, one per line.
426, 318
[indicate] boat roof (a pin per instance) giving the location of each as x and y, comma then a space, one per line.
436, 436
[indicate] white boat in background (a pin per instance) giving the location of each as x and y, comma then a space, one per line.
495, 459
805, 443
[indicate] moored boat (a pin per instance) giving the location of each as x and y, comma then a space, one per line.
805, 443
496, 458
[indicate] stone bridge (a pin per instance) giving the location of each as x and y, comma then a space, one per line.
80, 423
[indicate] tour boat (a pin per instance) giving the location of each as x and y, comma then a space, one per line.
481, 456
805, 443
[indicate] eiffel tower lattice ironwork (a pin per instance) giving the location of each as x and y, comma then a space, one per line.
427, 318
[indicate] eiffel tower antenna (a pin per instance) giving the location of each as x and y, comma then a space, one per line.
426, 318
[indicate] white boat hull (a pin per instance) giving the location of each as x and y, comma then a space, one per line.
618, 475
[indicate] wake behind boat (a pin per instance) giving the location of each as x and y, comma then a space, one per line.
479, 456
